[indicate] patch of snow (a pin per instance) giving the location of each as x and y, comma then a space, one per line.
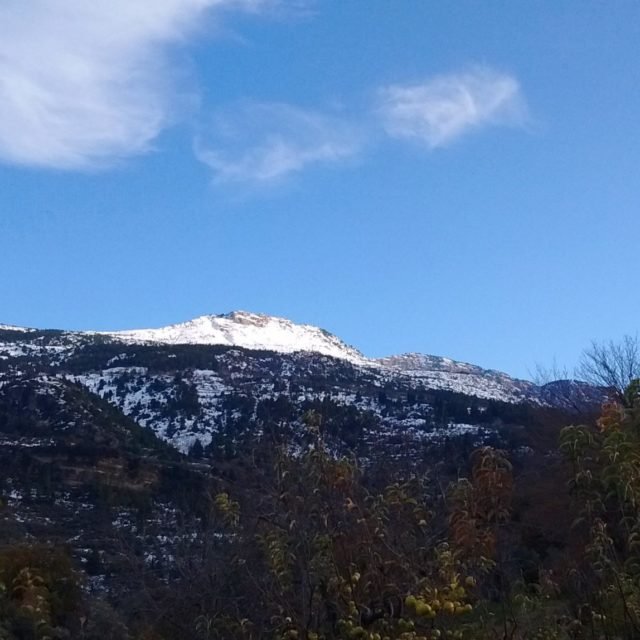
11, 327
434, 372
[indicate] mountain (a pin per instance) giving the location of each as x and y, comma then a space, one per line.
218, 380
112, 444
249, 331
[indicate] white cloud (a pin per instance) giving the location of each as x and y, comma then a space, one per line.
264, 142
442, 109
84, 83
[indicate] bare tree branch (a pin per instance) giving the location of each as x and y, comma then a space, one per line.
613, 365
543, 374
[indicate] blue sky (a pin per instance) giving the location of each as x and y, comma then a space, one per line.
459, 179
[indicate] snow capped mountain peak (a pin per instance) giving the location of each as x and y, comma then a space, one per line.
247, 330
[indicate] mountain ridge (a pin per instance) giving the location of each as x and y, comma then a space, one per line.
261, 333
216, 379
248, 330
218, 329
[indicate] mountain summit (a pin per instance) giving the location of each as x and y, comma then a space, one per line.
293, 343
247, 330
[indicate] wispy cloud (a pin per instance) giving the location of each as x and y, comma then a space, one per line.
264, 142
446, 107
86, 82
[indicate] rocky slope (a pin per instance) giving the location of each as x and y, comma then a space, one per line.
213, 378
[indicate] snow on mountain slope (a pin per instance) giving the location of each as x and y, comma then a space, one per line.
250, 331
260, 332
418, 363
443, 373
10, 327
